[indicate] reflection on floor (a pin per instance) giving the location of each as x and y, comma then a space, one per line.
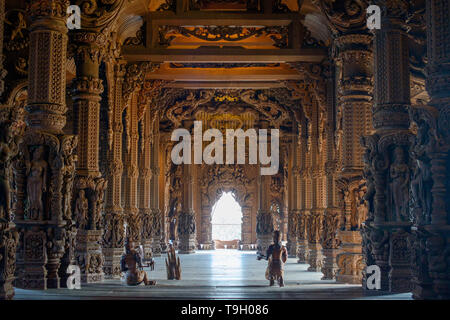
219, 274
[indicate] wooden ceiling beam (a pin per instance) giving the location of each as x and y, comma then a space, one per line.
224, 55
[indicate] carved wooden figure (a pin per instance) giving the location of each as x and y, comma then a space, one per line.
173, 265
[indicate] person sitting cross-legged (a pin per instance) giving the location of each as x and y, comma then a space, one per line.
132, 264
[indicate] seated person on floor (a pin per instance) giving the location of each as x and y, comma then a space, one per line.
132, 264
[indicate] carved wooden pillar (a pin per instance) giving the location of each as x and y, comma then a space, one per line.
2, 25
144, 182
114, 235
438, 86
44, 173
131, 172
293, 189
387, 155
246, 227
90, 186
315, 223
186, 219
264, 225
207, 242
304, 195
9, 237
353, 120
429, 185
332, 216
157, 216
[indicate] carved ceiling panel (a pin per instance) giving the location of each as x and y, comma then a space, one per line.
274, 105
193, 37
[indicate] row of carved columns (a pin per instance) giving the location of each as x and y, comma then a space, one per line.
64, 213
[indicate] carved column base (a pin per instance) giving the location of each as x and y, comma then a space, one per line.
89, 255
111, 267
315, 258
68, 257
330, 267
350, 260
292, 248
9, 239
156, 246
438, 245
263, 242
186, 244
400, 263
303, 251
33, 257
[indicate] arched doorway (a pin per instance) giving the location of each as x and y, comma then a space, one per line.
226, 221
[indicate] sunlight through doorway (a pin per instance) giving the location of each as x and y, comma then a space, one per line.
226, 219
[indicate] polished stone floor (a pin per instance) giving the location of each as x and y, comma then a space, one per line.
220, 274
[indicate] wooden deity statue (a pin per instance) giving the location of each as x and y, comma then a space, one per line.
399, 174
132, 264
276, 255
36, 183
81, 210
8, 148
173, 265
362, 206
173, 229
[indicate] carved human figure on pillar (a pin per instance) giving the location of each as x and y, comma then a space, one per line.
421, 185
362, 207
81, 210
68, 175
173, 229
399, 174
37, 184
7, 149
99, 200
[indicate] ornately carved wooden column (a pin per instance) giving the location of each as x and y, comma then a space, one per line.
305, 194
157, 215
2, 25
90, 186
144, 182
264, 224
429, 186
354, 58
44, 173
114, 234
333, 213
293, 195
315, 223
8, 149
131, 172
186, 219
10, 131
387, 157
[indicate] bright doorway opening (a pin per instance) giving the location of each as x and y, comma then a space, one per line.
226, 222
